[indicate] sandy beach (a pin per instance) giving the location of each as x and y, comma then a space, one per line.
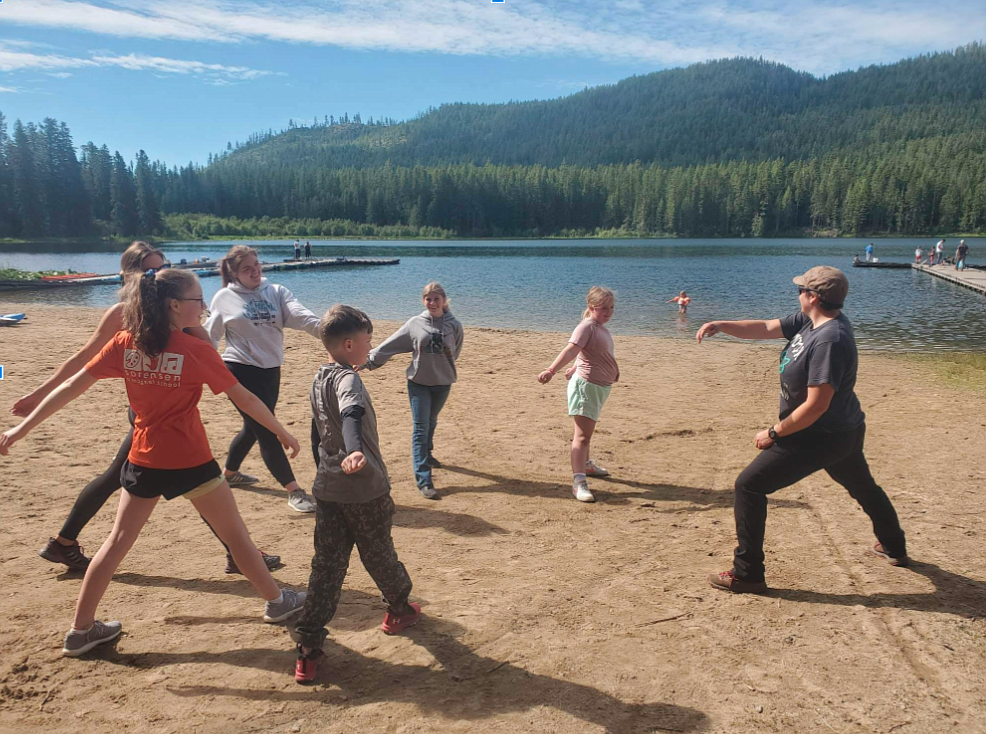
542, 614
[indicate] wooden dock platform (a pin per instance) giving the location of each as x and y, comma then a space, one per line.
205, 270
967, 278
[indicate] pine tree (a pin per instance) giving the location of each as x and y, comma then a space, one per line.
124, 199
148, 214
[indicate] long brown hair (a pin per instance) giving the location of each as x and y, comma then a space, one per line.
145, 306
231, 262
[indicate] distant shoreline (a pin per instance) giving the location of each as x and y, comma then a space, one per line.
112, 243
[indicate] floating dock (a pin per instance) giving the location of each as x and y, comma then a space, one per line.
967, 278
204, 270
892, 266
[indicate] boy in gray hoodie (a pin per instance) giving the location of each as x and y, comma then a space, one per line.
352, 492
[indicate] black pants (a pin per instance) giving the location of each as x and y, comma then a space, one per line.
95, 494
792, 459
338, 527
266, 385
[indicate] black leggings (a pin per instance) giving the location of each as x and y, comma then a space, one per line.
99, 490
792, 459
266, 385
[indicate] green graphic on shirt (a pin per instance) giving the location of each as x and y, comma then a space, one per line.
785, 361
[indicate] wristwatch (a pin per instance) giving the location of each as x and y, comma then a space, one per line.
772, 433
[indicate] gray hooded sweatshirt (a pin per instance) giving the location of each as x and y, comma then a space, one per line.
253, 322
435, 343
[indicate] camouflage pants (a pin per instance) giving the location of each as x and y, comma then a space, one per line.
338, 527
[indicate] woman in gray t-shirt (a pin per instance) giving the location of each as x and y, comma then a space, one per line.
821, 425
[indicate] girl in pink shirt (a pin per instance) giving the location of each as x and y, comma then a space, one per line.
595, 370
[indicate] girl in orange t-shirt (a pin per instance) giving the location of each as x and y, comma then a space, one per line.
164, 370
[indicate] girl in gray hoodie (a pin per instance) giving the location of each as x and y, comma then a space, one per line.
434, 338
252, 313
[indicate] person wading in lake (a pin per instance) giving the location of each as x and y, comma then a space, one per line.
821, 425
252, 314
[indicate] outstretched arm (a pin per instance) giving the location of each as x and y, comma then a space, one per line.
55, 401
111, 323
742, 329
254, 407
570, 352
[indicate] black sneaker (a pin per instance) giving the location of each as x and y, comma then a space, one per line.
70, 555
433, 462
271, 562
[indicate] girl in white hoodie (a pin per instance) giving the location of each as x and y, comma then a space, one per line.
252, 313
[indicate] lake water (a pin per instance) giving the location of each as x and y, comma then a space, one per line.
541, 284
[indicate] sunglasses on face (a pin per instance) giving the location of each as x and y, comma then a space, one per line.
200, 300
802, 290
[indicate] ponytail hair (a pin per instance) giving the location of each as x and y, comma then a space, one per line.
230, 263
436, 287
596, 297
145, 306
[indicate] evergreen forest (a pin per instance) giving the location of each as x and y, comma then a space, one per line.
736, 147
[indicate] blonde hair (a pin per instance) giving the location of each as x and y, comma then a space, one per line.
145, 306
596, 297
232, 260
436, 287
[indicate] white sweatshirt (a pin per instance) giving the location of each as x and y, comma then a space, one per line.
253, 322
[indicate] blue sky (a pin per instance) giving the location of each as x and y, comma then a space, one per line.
180, 80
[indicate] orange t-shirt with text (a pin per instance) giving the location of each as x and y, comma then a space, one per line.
164, 392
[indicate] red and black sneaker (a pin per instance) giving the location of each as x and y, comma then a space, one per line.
394, 624
901, 560
71, 555
306, 666
726, 581
270, 561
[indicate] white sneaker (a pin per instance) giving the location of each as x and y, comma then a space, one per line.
299, 501
593, 470
582, 493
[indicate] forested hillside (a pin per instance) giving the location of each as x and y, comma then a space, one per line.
726, 148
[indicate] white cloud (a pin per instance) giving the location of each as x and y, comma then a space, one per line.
821, 36
11, 60
11, 90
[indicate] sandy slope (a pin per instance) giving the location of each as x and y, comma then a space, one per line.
542, 614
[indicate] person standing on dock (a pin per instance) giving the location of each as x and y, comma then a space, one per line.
252, 313
821, 425
869, 253
939, 257
918, 255
961, 252
297, 250
308, 250
434, 338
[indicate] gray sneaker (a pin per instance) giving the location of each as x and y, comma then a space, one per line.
79, 643
429, 492
299, 501
239, 479
292, 603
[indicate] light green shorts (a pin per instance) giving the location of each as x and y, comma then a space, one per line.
585, 398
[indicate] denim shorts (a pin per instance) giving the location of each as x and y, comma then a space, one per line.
586, 398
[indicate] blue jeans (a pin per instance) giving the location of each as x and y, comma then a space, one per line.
426, 403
